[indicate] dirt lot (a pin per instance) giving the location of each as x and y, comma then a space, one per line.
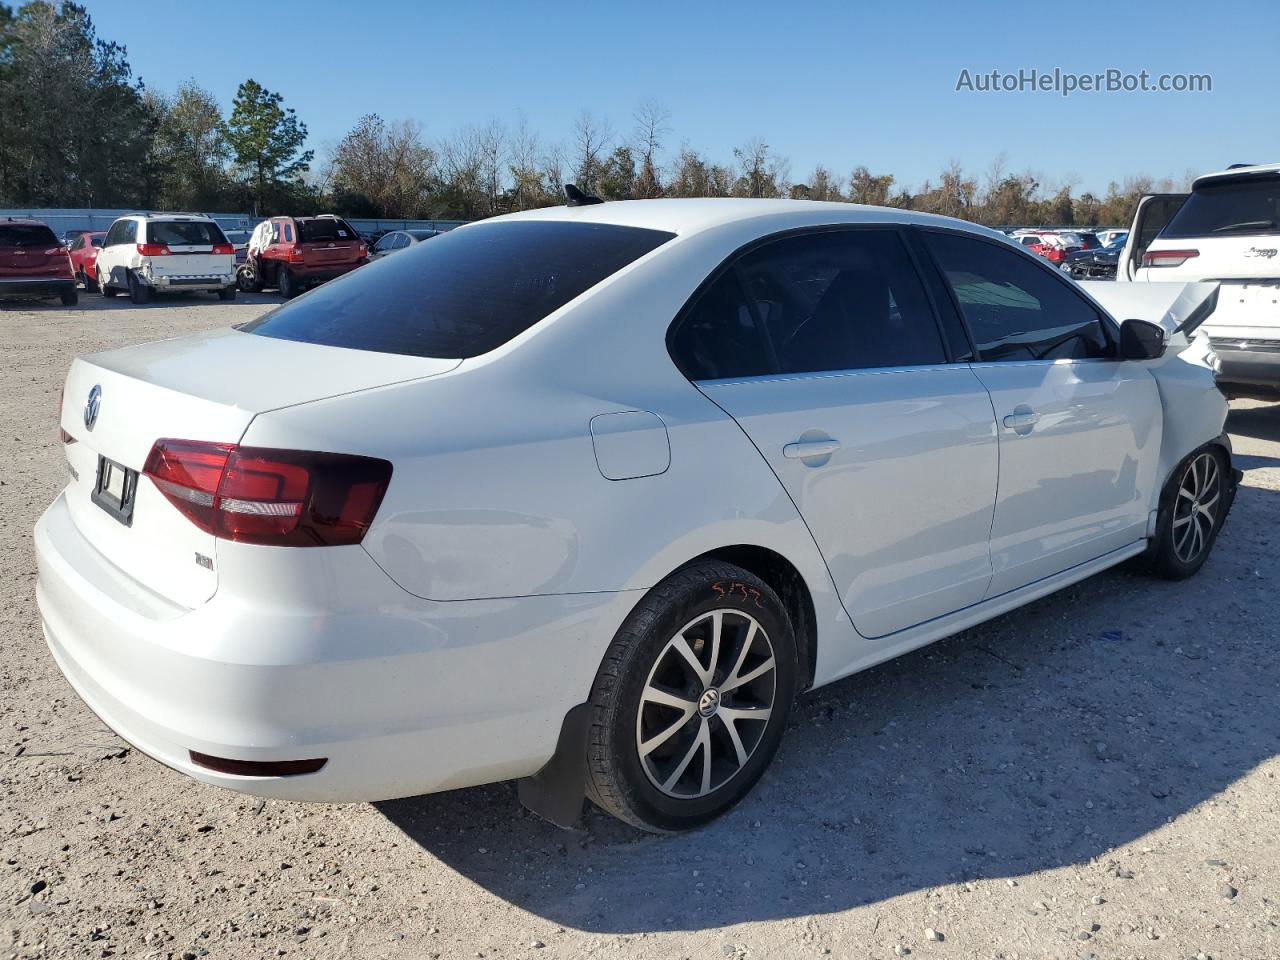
1092, 775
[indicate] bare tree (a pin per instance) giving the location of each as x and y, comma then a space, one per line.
651, 126
591, 139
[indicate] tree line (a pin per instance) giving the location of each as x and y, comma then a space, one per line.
78, 129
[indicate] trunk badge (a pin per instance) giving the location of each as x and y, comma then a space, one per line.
91, 407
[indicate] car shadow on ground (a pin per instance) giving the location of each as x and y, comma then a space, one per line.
96, 303
1047, 737
1260, 423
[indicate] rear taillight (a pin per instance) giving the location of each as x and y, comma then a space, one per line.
364, 251
295, 254
224, 248
1167, 258
279, 497
153, 249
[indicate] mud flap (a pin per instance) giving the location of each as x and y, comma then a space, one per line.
557, 792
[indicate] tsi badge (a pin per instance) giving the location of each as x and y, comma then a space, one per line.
91, 407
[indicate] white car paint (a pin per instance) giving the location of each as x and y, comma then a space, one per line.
541, 488
1245, 327
192, 267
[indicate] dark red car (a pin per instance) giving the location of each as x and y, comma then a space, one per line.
294, 253
33, 263
83, 251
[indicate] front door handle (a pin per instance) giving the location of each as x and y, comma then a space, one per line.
1022, 420
806, 449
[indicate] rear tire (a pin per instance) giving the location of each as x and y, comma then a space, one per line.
69, 298
674, 745
90, 285
1193, 508
287, 285
139, 292
105, 288
227, 293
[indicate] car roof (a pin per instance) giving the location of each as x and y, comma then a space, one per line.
695, 215
1241, 172
200, 217
24, 221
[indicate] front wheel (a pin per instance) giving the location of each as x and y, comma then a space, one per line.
1193, 508
692, 698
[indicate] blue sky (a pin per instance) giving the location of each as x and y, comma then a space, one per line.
840, 84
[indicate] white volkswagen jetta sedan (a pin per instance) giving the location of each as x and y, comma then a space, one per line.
585, 496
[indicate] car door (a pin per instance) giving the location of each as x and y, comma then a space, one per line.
1154, 211
825, 348
1079, 429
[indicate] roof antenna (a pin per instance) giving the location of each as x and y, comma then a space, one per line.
577, 198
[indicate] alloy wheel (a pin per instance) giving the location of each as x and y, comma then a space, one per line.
706, 703
1195, 510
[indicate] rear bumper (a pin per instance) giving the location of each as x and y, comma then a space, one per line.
1248, 366
400, 696
36, 286
194, 282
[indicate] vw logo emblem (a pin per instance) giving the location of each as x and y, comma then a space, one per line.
709, 703
91, 406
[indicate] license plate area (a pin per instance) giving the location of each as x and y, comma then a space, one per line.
114, 490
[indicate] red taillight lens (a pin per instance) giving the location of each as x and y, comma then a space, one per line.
1167, 258
224, 248
153, 249
364, 251
279, 497
295, 254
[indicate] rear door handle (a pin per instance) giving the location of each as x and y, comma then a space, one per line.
1022, 420
805, 449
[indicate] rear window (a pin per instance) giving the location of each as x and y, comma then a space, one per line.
467, 292
26, 235
1226, 207
325, 229
184, 233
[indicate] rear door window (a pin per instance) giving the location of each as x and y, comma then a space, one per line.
1229, 206
184, 233
26, 235
464, 293
827, 301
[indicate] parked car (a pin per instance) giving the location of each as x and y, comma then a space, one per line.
69, 235
84, 258
1052, 249
33, 263
295, 253
1097, 263
239, 240
1108, 237
144, 253
400, 240
1226, 229
585, 496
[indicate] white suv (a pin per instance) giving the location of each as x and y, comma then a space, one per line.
146, 252
1227, 229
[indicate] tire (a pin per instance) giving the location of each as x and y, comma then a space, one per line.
90, 284
227, 293
139, 292
287, 285
1193, 507
69, 298
247, 280
656, 720
105, 288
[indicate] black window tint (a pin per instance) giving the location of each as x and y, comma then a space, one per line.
184, 233
1017, 309
324, 230
842, 300
26, 235
718, 338
1224, 207
464, 293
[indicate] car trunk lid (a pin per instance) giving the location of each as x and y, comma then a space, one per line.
206, 387
325, 242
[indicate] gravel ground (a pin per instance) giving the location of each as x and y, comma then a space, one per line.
1094, 774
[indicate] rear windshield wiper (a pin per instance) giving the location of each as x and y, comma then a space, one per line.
1246, 225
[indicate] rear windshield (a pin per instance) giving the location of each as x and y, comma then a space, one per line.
467, 292
184, 233
1223, 208
326, 229
26, 235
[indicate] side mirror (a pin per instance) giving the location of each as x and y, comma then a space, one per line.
1142, 340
